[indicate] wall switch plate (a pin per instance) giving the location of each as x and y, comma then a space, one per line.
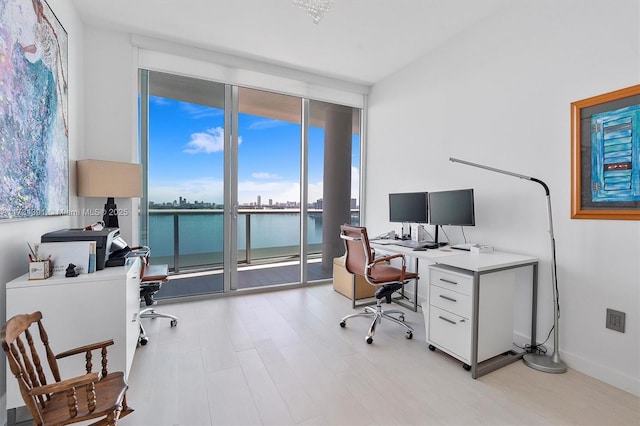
615, 320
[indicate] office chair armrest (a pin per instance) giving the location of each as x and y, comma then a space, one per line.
389, 257
403, 268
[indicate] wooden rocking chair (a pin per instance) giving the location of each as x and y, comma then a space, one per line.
94, 395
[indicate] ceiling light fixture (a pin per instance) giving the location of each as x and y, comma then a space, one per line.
315, 8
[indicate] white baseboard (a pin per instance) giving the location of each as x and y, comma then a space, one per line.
598, 371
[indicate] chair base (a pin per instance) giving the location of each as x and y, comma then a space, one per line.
151, 313
378, 314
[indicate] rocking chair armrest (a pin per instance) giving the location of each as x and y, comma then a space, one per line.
86, 348
66, 384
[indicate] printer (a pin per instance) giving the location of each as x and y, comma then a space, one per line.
107, 240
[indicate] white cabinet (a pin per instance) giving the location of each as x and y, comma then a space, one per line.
81, 310
449, 312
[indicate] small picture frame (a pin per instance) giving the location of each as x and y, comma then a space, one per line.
605, 153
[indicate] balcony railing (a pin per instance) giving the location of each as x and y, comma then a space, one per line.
192, 239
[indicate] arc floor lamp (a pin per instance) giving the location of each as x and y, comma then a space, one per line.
539, 361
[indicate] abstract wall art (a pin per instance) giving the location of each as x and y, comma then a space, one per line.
34, 127
605, 156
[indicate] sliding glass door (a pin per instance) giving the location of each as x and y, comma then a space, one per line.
258, 206
269, 148
184, 169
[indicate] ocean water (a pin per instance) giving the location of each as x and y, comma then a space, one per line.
201, 233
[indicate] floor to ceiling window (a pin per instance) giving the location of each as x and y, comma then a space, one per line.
267, 191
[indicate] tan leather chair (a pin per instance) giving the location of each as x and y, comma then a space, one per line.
360, 260
151, 279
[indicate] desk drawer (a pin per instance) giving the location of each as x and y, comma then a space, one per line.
450, 332
451, 301
456, 281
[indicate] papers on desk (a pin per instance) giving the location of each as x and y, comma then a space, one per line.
80, 253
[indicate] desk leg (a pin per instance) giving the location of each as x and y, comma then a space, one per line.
488, 366
414, 305
534, 304
475, 315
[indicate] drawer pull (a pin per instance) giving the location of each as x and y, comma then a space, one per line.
448, 281
450, 299
447, 320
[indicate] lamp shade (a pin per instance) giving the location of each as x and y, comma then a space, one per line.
98, 178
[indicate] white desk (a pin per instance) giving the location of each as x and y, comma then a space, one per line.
476, 265
432, 256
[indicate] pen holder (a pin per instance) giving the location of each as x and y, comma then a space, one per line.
40, 270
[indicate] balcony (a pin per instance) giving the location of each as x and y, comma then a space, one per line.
191, 243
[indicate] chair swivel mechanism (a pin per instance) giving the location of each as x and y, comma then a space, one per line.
151, 279
360, 260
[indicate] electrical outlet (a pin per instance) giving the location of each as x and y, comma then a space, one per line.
615, 320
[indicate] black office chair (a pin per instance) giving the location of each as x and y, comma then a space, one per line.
151, 279
377, 272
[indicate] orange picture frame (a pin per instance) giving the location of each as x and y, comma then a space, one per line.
584, 165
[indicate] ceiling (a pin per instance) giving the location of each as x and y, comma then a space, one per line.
360, 41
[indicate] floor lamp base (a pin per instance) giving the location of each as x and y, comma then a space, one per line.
544, 363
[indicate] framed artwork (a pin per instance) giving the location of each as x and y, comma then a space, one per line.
34, 145
605, 156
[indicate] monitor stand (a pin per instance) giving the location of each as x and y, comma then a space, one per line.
440, 244
406, 231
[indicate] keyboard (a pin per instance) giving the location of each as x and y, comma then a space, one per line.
384, 242
418, 244
466, 247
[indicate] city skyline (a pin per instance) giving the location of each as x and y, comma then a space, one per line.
186, 156
182, 202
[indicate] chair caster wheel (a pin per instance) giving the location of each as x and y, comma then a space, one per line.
174, 323
369, 339
343, 324
467, 367
143, 341
409, 335
432, 348
401, 318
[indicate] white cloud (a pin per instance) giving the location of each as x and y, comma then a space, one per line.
265, 175
266, 124
211, 140
200, 111
210, 190
355, 183
203, 189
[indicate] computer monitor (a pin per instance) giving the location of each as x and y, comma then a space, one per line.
408, 207
453, 207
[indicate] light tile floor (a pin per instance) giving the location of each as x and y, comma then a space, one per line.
281, 358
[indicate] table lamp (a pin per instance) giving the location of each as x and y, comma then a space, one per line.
111, 179
538, 361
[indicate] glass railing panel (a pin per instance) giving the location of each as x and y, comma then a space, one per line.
272, 237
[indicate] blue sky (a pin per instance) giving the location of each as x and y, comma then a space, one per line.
186, 156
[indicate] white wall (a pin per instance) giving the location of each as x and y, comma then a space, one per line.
14, 234
111, 112
499, 94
